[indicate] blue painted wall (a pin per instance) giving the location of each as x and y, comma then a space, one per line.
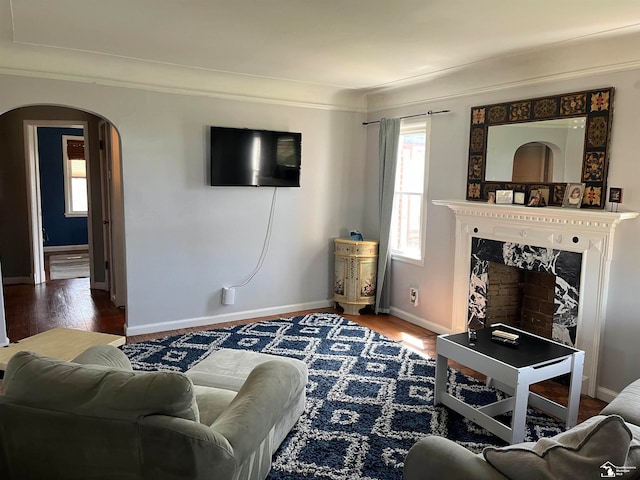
58, 229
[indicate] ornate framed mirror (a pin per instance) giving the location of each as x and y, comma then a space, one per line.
544, 142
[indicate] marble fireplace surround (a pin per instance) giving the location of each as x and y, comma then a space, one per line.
587, 232
565, 267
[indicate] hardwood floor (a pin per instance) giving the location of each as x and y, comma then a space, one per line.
30, 309
424, 341
70, 303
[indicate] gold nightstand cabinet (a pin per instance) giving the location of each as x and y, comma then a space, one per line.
356, 265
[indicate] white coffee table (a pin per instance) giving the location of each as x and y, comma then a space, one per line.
511, 370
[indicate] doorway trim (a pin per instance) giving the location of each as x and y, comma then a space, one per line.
36, 240
4, 339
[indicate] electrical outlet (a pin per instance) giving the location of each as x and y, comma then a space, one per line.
413, 296
228, 295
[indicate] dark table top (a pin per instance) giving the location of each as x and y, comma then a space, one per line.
532, 350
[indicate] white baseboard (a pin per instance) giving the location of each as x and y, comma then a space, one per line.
421, 322
229, 317
65, 248
17, 280
605, 394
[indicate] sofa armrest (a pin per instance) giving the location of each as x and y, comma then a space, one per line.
258, 406
626, 404
176, 448
435, 457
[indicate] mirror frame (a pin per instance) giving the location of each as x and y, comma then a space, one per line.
595, 105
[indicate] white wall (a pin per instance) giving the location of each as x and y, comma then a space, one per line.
448, 163
186, 240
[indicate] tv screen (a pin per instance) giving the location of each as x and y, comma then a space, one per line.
244, 157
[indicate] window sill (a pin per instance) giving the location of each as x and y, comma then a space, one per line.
404, 259
74, 215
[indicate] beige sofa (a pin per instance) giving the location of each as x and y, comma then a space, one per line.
96, 418
604, 446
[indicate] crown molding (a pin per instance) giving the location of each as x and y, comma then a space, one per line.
565, 61
377, 106
69, 65
568, 60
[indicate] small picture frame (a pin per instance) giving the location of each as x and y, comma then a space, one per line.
615, 195
491, 197
538, 197
573, 195
518, 198
504, 196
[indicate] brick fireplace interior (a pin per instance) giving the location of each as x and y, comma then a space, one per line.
521, 298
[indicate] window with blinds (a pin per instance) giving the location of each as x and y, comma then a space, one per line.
75, 176
408, 216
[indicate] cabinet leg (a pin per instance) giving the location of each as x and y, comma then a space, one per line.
351, 309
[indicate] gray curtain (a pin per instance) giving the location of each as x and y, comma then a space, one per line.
387, 152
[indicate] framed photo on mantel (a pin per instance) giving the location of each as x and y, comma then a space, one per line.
615, 195
504, 196
573, 195
538, 197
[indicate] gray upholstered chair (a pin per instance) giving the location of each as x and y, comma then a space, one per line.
96, 418
608, 443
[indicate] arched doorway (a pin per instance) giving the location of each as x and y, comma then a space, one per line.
20, 198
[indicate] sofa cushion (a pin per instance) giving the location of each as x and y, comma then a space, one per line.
626, 404
38, 381
229, 368
576, 453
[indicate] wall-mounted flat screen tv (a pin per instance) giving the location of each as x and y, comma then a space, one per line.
260, 158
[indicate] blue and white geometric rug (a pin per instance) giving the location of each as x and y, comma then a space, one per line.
369, 399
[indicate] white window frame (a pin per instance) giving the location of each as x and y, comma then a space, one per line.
407, 126
68, 192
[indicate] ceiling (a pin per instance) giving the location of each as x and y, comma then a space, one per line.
354, 44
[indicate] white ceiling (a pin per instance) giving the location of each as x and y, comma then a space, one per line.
342, 43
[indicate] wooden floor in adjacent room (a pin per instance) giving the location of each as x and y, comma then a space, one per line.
30, 309
70, 303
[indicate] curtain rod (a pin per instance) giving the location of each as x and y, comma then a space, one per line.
430, 112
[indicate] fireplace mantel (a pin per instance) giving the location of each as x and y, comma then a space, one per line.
565, 217
589, 232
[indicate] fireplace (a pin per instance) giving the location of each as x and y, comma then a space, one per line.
534, 288
575, 246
